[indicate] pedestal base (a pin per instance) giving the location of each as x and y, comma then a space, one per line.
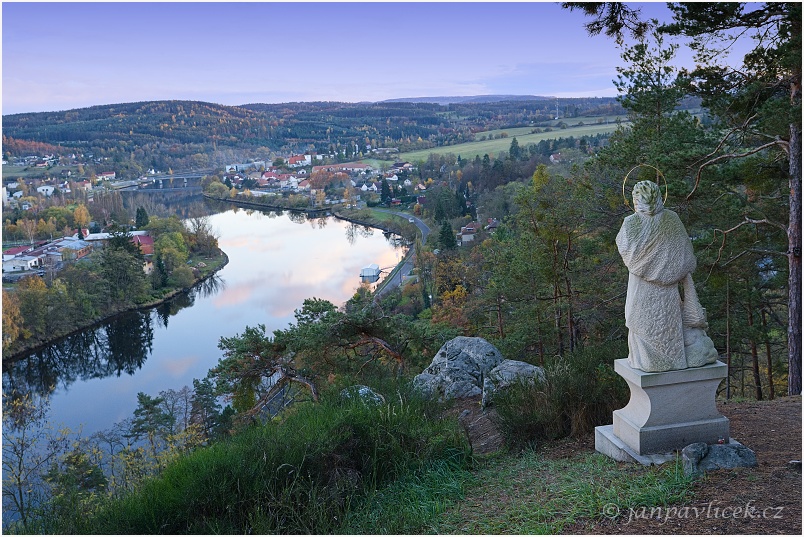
667, 411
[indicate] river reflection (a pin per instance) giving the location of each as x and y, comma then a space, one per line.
275, 262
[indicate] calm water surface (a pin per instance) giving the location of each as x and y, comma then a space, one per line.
275, 262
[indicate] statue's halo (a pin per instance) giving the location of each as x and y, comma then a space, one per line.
658, 173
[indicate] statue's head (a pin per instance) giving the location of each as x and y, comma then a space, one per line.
647, 197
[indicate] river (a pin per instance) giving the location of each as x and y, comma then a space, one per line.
275, 262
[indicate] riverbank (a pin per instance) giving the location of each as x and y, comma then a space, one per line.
268, 207
205, 267
385, 221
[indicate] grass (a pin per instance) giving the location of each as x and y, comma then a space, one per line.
303, 474
396, 469
26, 172
412, 504
468, 150
531, 494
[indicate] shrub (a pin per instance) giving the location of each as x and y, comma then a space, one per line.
579, 392
182, 277
298, 475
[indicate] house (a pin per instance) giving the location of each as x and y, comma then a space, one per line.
555, 158
287, 180
345, 167
68, 249
20, 263
296, 161
492, 225
467, 233
85, 185
145, 243
99, 240
46, 190
11, 253
108, 176
304, 185
233, 168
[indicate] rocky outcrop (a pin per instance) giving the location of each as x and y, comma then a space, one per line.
508, 373
458, 369
471, 366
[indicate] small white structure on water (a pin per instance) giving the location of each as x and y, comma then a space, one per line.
370, 273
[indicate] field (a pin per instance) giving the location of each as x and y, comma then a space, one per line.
523, 135
30, 172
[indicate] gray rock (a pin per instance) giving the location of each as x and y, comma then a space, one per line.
458, 369
506, 374
363, 393
700, 457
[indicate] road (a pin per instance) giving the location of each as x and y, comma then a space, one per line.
407, 265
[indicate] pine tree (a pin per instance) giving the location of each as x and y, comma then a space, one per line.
446, 237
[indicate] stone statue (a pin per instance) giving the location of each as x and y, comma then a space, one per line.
664, 331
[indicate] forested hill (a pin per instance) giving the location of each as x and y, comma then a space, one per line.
469, 99
188, 134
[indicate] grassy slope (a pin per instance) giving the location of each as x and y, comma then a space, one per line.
468, 150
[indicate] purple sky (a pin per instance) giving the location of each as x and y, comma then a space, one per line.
58, 56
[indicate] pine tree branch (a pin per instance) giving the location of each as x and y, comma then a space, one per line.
784, 145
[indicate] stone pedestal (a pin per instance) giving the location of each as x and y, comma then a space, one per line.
667, 411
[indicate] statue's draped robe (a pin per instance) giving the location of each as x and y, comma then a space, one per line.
658, 254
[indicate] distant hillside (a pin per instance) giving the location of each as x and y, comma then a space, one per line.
182, 135
472, 99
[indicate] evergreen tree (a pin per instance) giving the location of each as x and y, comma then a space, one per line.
515, 152
205, 409
150, 419
446, 237
385, 192
142, 218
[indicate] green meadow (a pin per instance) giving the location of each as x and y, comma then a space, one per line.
523, 135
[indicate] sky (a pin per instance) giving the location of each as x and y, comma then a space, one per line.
61, 56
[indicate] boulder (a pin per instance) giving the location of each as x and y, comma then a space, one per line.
363, 393
458, 369
701, 457
508, 373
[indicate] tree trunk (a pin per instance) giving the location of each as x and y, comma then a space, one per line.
768, 357
754, 356
728, 343
794, 263
500, 329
